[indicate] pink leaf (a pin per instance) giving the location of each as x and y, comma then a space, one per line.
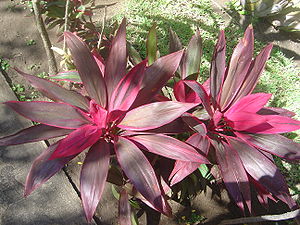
88, 69
126, 91
99, 60
140, 172
276, 111
237, 70
32, 134
185, 94
115, 68
42, 169
56, 92
169, 147
93, 176
244, 121
154, 115
54, 114
200, 142
181, 170
77, 141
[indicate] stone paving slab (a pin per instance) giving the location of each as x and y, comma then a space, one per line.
54, 202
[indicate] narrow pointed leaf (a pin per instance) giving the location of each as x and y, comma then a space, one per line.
99, 60
255, 70
192, 58
50, 113
181, 170
250, 103
281, 124
124, 209
234, 175
88, 69
56, 92
77, 141
276, 111
32, 134
42, 169
175, 44
200, 91
93, 176
244, 121
71, 76
194, 123
237, 69
115, 68
262, 170
133, 54
126, 91
275, 144
169, 147
183, 93
156, 76
151, 45
154, 115
200, 142
217, 68
140, 172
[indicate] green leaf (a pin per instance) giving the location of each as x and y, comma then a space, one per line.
151, 45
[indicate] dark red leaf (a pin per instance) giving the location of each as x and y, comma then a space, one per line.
254, 71
32, 134
200, 142
237, 70
262, 170
140, 172
273, 143
276, 111
156, 76
169, 147
99, 60
50, 113
175, 44
154, 115
56, 92
194, 123
77, 141
191, 59
115, 68
217, 68
181, 170
88, 69
233, 173
42, 169
124, 209
93, 176
126, 91
183, 93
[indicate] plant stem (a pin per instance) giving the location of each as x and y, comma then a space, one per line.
45, 37
66, 21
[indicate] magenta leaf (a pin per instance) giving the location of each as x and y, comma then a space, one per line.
32, 134
126, 91
124, 209
273, 143
233, 172
77, 141
217, 68
154, 115
250, 103
262, 170
169, 147
185, 94
156, 76
93, 176
56, 92
237, 69
115, 68
42, 169
191, 59
181, 170
50, 113
255, 70
88, 69
71, 76
140, 172
200, 91
281, 124
244, 121
200, 142
276, 111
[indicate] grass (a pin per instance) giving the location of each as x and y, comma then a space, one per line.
280, 78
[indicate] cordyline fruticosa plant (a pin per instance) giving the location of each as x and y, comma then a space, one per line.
116, 119
235, 130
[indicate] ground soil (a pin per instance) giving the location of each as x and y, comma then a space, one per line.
18, 29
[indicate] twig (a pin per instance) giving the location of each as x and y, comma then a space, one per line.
102, 29
66, 22
284, 216
45, 37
